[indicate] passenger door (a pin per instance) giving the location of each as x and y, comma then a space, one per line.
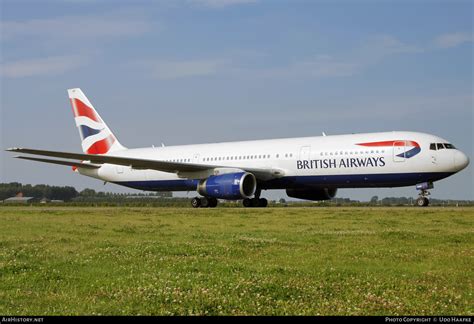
304, 157
399, 151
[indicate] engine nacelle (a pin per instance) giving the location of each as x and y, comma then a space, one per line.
238, 185
312, 194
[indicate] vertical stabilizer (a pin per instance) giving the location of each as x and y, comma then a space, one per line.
96, 136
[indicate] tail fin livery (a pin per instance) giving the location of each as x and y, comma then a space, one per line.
96, 136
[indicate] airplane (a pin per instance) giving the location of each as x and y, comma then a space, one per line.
310, 168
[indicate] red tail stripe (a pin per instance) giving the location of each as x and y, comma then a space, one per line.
81, 109
102, 146
391, 143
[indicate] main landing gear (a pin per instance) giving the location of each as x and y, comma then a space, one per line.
256, 201
207, 202
423, 200
204, 202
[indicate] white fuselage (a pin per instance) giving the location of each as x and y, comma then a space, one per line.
388, 159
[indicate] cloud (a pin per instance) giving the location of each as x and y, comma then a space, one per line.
382, 45
87, 27
162, 69
453, 39
221, 3
319, 67
322, 66
343, 64
42, 66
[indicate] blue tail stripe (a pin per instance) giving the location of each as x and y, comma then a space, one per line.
87, 131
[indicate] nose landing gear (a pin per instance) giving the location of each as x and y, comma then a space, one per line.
422, 200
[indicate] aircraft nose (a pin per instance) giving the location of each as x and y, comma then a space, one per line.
460, 160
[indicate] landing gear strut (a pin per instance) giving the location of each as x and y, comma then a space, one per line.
204, 202
422, 200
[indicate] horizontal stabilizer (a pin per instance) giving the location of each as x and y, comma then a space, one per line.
125, 161
67, 163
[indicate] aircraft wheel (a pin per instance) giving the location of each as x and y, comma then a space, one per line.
212, 202
422, 202
262, 202
196, 202
427, 202
247, 202
205, 202
254, 202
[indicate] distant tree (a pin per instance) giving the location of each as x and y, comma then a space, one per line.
87, 193
374, 200
282, 201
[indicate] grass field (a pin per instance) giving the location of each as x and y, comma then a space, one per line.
309, 261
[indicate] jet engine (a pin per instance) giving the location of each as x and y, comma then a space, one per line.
230, 186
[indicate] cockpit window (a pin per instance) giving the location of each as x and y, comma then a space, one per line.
441, 146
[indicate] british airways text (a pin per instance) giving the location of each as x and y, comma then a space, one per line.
342, 163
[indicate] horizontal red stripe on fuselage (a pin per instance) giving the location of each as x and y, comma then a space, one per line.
390, 143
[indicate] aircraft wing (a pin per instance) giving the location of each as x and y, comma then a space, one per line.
164, 166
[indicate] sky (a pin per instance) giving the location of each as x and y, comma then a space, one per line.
201, 71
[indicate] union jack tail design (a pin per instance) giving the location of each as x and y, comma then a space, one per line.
96, 136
